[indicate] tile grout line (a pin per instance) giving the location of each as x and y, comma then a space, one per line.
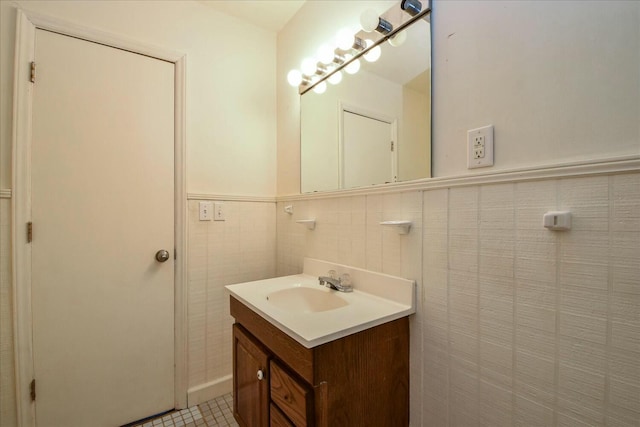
557, 306
607, 374
478, 310
514, 302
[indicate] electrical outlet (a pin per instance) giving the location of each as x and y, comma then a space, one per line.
478, 153
480, 147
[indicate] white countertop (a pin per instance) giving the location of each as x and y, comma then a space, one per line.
376, 299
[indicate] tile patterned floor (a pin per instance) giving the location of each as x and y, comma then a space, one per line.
214, 413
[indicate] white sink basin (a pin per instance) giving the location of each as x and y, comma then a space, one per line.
306, 300
313, 315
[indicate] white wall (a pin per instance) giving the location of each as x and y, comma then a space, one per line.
231, 121
414, 156
560, 81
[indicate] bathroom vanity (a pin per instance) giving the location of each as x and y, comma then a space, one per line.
302, 358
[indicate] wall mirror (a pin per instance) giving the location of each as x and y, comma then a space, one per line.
375, 126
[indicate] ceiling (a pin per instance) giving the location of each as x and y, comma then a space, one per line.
268, 14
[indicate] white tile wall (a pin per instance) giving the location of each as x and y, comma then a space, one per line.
240, 249
516, 325
7, 379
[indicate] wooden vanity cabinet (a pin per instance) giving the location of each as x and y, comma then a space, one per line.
358, 380
250, 380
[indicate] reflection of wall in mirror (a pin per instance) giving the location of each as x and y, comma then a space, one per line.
319, 124
414, 149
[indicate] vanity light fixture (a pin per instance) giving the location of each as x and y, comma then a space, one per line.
398, 39
335, 78
328, 63
412, 7
294, 77
374, 52
353, 67
344, 39
320, 87
308, 66
325, 54
370, 21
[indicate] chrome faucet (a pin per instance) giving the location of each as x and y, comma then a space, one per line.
342, 283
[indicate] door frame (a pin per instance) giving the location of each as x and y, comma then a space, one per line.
27, 22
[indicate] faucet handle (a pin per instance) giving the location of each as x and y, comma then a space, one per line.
332, 274
345, 279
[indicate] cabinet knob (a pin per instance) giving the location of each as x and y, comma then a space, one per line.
260, 374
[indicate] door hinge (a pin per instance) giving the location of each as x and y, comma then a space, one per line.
392, 145
29, 232
32, 77
32, 386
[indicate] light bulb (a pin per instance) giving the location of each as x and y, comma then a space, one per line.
374, 54
369, 20
344, 39
294, 78
308, 66
320, 87
353, 67
398, 39
325, 54
335, 78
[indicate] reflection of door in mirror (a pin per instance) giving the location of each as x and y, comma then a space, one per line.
397, 85
367, 149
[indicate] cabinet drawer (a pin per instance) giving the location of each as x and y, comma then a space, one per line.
278, 419
291, 396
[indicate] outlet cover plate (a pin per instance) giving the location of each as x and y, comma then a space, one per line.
480, 147
206, 211
218, 211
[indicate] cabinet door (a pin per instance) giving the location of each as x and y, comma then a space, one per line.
250, 380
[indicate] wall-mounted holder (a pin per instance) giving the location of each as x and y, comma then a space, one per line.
557, 220
289, 209
309, 223
402, 227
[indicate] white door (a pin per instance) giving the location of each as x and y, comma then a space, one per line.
367, 153
102, 205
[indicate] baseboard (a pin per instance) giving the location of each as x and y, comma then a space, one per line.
204, 392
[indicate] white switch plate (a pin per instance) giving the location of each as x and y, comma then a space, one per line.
218, 211
206, 211
480, 147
